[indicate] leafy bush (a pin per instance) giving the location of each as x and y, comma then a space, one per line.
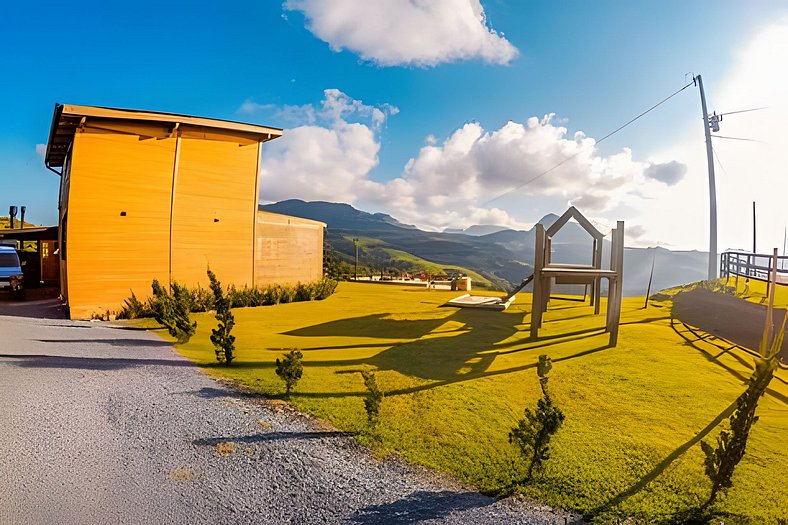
287, 295
172, 311
721, 462
374, 397
290, 369
324, 288
202, 300
133, 308
533, 433
223, 341
303, 292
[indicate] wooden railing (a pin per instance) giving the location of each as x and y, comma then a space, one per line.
753, 266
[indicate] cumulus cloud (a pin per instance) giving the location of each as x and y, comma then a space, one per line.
328, 157
406, 32
449, 182
668, 172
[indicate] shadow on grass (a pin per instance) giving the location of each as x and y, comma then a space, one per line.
665, 463
380, 326
420, 506
446, 382
715, 358
269, 436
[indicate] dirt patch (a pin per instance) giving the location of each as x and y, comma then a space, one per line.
183, 474
728, 317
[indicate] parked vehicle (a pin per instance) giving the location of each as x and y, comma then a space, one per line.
11, 277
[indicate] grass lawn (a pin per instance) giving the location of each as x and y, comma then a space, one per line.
457, 380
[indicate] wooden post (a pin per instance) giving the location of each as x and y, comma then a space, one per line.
770, 283
598, 280
614, 298
537, 300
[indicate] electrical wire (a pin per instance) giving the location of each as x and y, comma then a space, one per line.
742, 111
720, 162
542, 174
736, 138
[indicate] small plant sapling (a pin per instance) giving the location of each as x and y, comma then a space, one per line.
532, 433
290, 369
172, 311
223, 341
374, 397
721, 461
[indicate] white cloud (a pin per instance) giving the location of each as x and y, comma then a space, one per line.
448, 183
330, 156
41, 150
406, 32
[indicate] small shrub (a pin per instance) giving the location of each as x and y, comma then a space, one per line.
324, 288
172, 311
721, 461
133, 308
272, 295
202, 299
374, 397
533, 433
303, 292
290, 368
223, 341
287, 294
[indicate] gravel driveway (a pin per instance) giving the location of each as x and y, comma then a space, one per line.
103, 425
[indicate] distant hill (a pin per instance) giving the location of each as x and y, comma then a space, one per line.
477, 229
505, 257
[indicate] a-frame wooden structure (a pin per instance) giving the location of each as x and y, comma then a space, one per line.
546, 273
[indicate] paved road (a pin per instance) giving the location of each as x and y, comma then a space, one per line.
102, 425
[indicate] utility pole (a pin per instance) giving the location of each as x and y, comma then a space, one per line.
754, 251
712, 184
355, 271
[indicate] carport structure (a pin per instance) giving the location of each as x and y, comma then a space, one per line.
41, 267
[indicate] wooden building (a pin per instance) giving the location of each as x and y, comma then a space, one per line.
147, 195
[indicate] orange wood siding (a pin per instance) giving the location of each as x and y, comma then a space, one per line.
110, 255
213, 220
288, 250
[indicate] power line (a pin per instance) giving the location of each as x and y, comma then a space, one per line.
542, 174
736, 138
742, 111
720, 162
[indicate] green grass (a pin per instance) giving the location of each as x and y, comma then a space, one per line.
432, 267
456, 381
419, 264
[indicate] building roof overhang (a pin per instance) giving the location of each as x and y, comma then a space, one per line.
67, 118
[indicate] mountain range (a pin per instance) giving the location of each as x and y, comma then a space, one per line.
503, 256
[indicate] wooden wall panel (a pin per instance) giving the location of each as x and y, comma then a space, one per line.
288, 250
213, 211
108, 254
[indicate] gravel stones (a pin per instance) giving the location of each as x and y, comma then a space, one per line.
103, 425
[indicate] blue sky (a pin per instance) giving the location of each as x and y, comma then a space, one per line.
593, 64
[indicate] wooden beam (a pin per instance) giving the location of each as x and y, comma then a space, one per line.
537, 301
